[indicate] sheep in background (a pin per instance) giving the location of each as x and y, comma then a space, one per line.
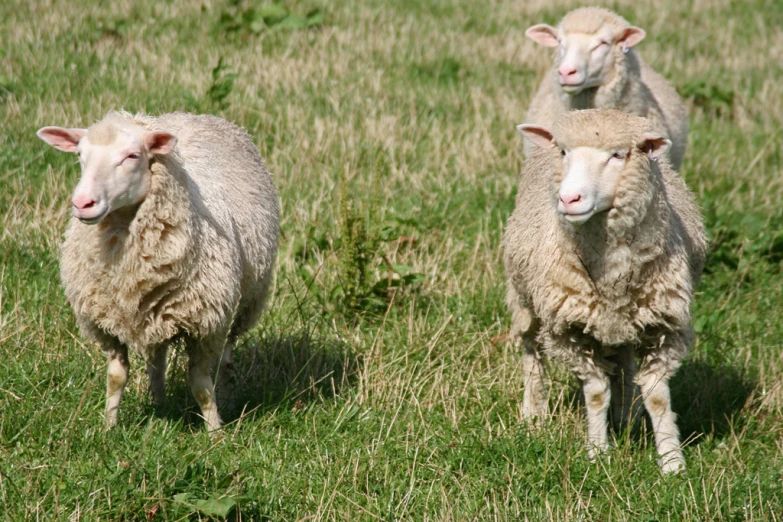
602, 253
174, 235
597, 67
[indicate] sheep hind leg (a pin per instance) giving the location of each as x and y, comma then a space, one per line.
117, 376
534, 404
226, 377
202, 354
524, 326
156, 370
625, 406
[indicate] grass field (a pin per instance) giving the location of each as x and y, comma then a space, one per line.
375, 387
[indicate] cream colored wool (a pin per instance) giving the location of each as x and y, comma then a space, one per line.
633, 87
618, 286
194, 259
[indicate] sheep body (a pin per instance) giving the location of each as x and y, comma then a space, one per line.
629, 84
619, 285
193, 259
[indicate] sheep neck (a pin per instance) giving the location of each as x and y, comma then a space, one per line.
143, 251
615, 247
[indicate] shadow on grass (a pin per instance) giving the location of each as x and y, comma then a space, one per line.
271, 371
706, 398
285, 369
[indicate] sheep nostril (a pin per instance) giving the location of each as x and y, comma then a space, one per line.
83, 203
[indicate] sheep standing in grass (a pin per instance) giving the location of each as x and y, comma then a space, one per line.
174, 235
602, 254
597, 67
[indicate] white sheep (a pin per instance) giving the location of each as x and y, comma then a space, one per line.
602, 254
174, 235
597, 67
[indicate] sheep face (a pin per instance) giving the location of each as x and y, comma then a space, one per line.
115, 166
585, 59
589, 183
590, 172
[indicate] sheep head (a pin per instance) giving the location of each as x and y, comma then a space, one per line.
115, 158
588, 41
604, 155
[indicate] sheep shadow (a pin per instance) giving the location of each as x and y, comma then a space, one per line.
272, 371
707, 398
282, 369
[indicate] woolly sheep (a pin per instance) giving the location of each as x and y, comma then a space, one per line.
602, 254
597, 67
174, 235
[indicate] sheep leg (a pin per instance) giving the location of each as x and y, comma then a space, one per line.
156, 369
625, 407
534, 405
523, 327
201, 354
226, 377
117, 376
653, 379
597, 390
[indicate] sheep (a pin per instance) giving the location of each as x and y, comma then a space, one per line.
602, 254
173, 235
596, 66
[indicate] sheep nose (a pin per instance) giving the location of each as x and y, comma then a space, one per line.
570, 199
566, 72
83, 202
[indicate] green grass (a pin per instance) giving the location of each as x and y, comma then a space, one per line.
402, 409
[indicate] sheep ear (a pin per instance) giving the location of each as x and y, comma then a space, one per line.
654, 145
159, 142
538, 135
543, 34
631, 36
66, 140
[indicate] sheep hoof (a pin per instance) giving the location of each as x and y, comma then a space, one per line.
111, 419
672, 464
212, 420
595, 451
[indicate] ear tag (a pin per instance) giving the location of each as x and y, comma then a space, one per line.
625, 46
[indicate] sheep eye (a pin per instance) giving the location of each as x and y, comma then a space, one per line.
562, 152
134, 155
617, 155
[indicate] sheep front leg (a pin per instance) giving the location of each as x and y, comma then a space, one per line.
598, 394
202, 354
653, 380
117, 376
156, 370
